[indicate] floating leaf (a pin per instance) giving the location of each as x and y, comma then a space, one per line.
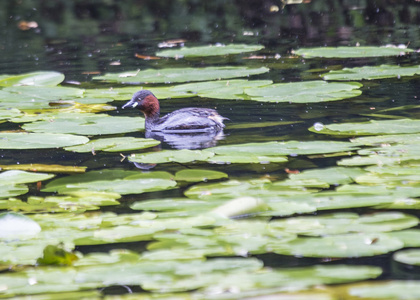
211, 50
371, 128
17, 176
409, 257
44, 168
181, 156
350, 52
305, 92
173, 75
114, 145
195, 175
339, 223
221, 89
393, 289
23, 140
87, 124
36, 97
11, 190
6, 114
241, 207
116, 181
372, 72
349, 245
35, 79
15, 225
283, 148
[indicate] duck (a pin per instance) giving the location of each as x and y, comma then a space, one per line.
184, 120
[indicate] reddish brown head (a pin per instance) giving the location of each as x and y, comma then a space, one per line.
146, 102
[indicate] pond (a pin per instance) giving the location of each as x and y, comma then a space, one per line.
311, 191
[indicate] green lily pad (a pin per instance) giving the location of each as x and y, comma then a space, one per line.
349, 245
334, 175
372, 127
221, 89
36, 97
409, 257
372, 72
283, 148
350, 52
211, 50
23, 140
195, 175
32, 79
15, 225
393, 289
87, 124
305, 92
114, 145
339, 223
6, 114
181, 156
113, 181
174, 75
125, 93
17, 176
11, 190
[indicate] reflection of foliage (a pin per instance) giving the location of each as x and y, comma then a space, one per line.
200, 19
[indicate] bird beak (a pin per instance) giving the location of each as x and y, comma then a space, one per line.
130, 104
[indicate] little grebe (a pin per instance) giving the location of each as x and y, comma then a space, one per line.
185, 120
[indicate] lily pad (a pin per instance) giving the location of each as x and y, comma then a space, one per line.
113, 182
32, 79
393, 289
211, 50
372, 72
11, 190
45, 168
221, 89
339, 223
114, 145
36, 97
87, 124
173, 75
305, 92
195, 175
372, 127
349, 245
292, 148
15, 225
17, 176
181, 156
6, 114
23, 140
409, 257
352, 52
